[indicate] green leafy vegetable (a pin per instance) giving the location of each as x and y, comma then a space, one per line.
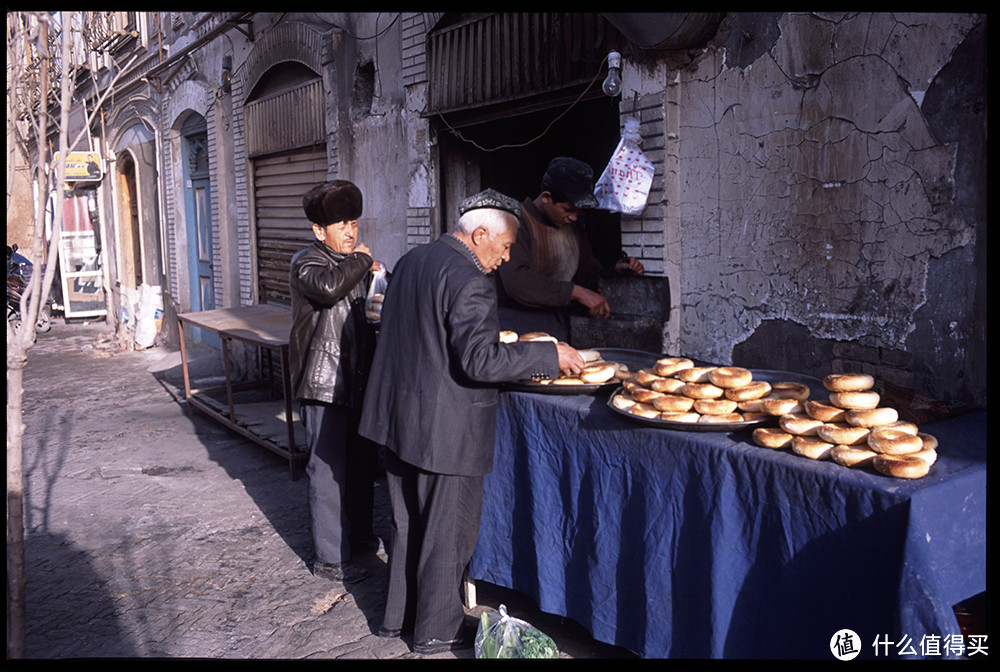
501, 636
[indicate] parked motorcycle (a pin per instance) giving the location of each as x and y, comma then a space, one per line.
18, 275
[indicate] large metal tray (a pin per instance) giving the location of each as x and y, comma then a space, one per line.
633, 359
816, 391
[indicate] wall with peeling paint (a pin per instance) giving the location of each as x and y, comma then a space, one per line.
816, 206
819, 202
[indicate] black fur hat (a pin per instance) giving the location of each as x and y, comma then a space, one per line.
337, 201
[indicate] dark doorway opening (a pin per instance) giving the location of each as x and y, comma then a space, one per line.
510, 154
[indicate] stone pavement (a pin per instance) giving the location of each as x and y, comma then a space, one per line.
152, 532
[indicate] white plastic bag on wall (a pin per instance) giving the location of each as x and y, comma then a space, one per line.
148, 313
126, 313
624, 185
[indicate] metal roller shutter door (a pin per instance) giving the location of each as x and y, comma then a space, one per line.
280, 180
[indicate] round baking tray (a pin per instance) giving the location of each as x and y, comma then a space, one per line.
816, 391
549, 388
633, 359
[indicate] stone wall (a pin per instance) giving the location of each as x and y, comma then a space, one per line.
818, 204
815, 204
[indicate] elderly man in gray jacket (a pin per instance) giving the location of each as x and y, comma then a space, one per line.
432, 402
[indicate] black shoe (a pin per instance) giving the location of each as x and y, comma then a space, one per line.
465, 640
344, 572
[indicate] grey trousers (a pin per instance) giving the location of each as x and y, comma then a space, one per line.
341, 471
435, 523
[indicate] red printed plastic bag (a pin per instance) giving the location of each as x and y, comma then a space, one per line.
624, 185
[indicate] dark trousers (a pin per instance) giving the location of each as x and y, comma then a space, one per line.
341, 471
435, 523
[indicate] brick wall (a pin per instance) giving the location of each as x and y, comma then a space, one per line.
642, 235
893, 366
414, 48
419, 228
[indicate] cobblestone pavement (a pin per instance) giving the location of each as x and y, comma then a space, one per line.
154, 532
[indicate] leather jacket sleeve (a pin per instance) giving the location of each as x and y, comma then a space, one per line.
330, 344
324, 284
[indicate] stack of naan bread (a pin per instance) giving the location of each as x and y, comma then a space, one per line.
596, 371
853, 429
675, 390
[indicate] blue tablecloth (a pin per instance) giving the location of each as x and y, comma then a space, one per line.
689, 544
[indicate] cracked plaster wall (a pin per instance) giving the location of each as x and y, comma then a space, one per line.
807, 185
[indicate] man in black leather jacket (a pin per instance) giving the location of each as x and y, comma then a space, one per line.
330, 348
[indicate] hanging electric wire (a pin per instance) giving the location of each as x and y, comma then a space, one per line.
458, 134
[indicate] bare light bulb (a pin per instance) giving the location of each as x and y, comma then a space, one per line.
613, 83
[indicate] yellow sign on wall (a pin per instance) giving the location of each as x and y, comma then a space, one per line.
83, 166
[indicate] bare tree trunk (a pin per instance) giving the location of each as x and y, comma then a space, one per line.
15, 516
20, 343
50, 176
17, 355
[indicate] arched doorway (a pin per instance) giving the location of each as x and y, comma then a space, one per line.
139, 237
130, 237
286, 142
198, 211
198, 219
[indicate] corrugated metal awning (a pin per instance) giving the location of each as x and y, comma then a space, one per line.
502, 57
286, 120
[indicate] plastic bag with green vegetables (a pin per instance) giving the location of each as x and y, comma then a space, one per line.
503, 636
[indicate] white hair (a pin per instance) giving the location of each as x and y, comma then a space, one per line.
495, 221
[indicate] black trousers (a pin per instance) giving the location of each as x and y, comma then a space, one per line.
435, 523
341, 471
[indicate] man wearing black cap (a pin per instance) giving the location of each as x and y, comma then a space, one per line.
432, 400
552, 268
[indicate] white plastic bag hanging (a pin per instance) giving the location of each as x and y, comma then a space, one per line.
624, 185
376, 294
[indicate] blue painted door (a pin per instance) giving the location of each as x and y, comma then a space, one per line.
198, 215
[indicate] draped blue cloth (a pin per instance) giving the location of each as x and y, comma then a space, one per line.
704, 545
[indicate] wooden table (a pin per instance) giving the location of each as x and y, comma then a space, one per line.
266, 327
